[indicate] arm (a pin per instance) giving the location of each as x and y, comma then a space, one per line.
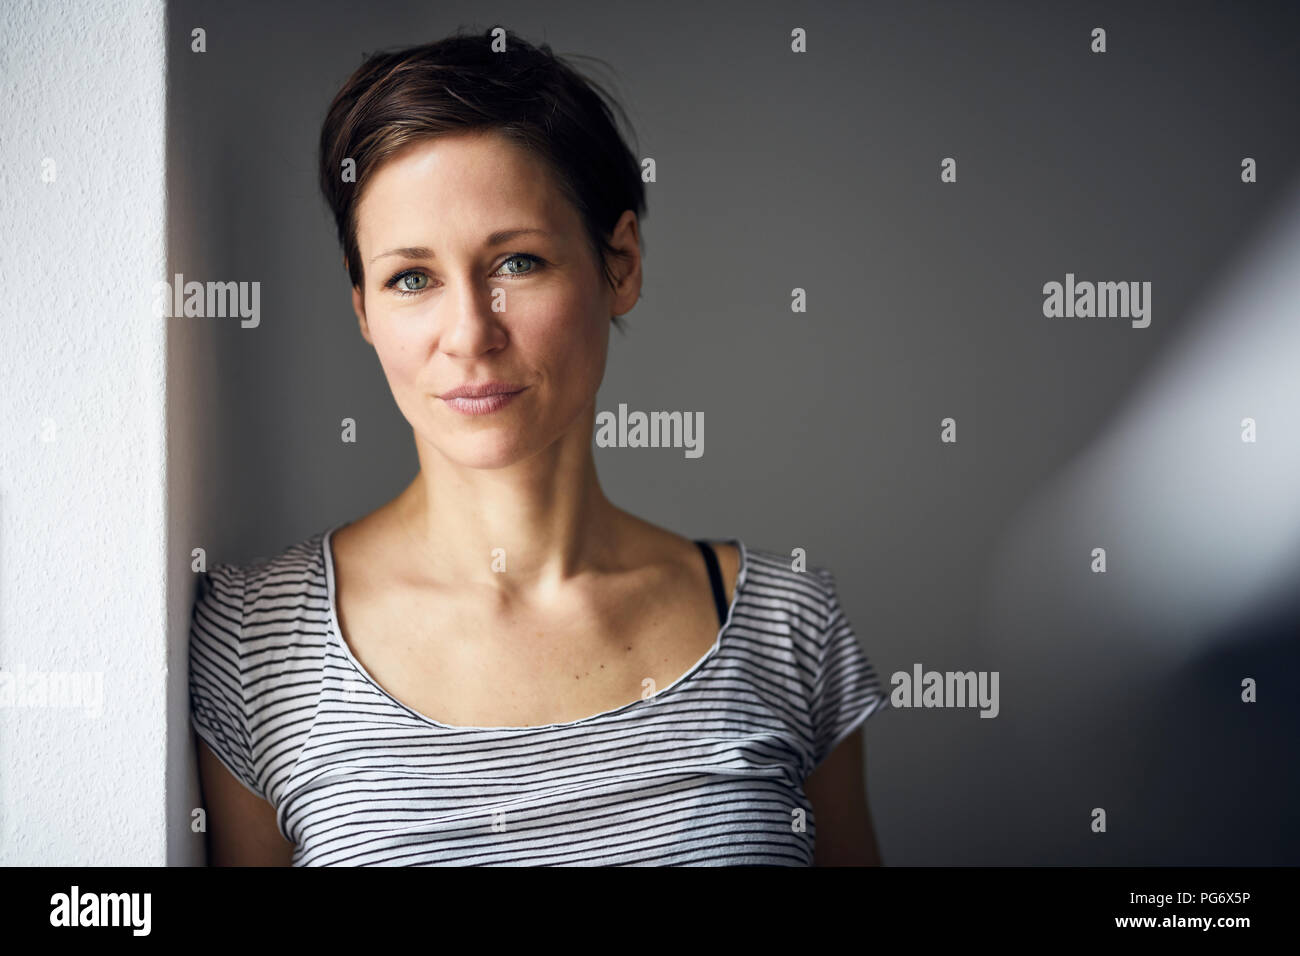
837, 792
241, 826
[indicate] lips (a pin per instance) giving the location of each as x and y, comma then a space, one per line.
483, 399
482, 390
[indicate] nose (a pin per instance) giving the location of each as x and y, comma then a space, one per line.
467, 325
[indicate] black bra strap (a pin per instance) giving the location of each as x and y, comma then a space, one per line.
715, 578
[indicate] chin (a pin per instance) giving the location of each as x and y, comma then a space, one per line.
484, 451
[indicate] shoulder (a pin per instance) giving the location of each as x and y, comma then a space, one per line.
801, 595
728, 565
787, 614
297, 570
245, 605
834, 685
259, 647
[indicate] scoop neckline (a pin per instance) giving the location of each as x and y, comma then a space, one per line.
336, 631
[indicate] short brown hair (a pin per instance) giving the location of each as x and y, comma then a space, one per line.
458, 84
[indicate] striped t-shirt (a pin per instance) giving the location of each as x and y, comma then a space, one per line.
709, 770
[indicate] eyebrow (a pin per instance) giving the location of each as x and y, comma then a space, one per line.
424, 252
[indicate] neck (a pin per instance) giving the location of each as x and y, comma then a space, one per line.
545, 519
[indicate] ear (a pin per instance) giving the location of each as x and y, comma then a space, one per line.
626, 238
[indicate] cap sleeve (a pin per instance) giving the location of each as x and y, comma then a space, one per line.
846, 689
217, 705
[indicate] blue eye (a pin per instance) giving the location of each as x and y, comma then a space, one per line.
532, 261
402, 283
398, 283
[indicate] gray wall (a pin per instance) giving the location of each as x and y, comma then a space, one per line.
821, 171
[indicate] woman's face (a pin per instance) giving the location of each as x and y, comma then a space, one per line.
446, 302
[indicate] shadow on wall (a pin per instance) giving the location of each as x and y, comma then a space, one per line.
1225, 771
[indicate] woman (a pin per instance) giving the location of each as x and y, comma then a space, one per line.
499, 666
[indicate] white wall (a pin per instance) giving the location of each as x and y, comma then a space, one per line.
82, 501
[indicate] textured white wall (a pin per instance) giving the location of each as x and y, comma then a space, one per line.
82, 501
